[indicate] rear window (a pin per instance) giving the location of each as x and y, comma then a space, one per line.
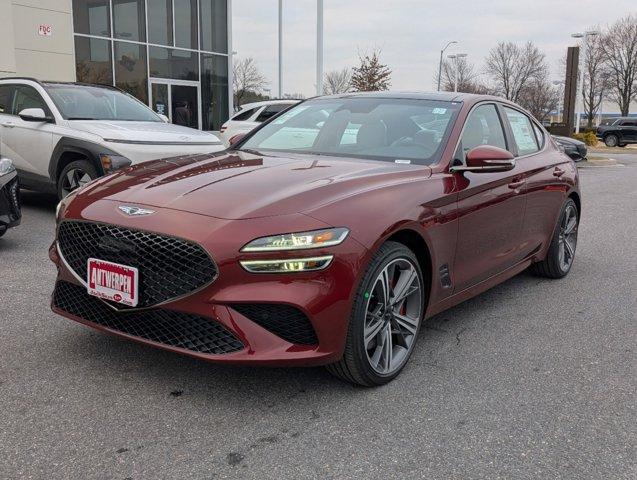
243, 116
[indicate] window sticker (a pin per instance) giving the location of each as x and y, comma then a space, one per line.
439, 111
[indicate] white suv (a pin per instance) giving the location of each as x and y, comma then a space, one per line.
62, 135
252, 115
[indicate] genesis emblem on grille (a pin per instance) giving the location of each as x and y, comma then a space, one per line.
135, 211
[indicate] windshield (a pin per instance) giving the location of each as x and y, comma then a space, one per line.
80, 102
388, 129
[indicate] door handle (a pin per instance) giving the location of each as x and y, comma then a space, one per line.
558, 172
516, 184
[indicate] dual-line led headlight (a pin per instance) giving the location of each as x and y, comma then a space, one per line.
293, 241
298, 241
310, 264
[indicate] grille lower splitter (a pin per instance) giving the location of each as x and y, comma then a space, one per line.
168, 267
168, 327
285, 321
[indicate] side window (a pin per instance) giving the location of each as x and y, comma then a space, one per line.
523, 133
270, 111
539, 134
27, 97
483, 127
629, 123
6, 98
243, 116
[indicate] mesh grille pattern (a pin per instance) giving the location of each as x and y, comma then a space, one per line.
168, 267
14, 194
177, 329
10, 200
285, 321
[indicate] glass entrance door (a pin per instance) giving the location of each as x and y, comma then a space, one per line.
177, 99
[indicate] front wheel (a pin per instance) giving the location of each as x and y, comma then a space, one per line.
561, 254
611, 140
75, 175
385, 320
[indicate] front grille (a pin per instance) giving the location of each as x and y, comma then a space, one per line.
168, 267
10, 200
285, 321
168, 327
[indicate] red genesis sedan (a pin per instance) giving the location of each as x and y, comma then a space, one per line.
324, 237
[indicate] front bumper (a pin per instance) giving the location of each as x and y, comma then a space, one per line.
10, 211
236, 299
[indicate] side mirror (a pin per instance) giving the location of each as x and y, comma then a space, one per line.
486, 158
164, 117
236, 139
34, 115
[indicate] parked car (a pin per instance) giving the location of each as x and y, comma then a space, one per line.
330, 252
9, 196
62, 135
251, 116
618, 132
574, 148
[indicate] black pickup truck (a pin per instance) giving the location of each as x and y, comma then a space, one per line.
618, 132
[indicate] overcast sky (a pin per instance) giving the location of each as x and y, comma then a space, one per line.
410, 33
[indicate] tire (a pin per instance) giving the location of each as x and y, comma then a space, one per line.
74, 175
563, 245
3, 230
359, 364
611, 140
622, 145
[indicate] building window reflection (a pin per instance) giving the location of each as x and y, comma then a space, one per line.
142, 44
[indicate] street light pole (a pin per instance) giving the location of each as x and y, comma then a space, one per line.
580, 74
280, 48
440, 63
455, 59
319, 47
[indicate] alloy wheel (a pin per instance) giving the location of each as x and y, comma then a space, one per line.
392, 316
74, 179
567, 240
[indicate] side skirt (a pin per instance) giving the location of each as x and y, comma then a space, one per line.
477, 289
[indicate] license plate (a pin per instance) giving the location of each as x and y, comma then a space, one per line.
112, 281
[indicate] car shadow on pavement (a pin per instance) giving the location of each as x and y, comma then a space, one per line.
180, 375
38, 200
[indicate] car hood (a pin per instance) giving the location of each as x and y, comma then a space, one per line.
241, 185
155, 133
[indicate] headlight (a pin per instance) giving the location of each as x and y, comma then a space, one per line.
298, 241
110, 163
6, 166
287, 266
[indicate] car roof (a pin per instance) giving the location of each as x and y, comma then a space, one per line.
247, 106
55, 82
440, 96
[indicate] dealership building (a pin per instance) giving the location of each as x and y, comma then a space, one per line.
167, 53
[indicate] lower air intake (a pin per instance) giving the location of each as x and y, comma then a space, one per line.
168, 327
285, 321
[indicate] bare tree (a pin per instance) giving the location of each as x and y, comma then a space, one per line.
246, 79
540, 97
466, 76
337, 81
619, 46
513, 67
371, 75
594, 78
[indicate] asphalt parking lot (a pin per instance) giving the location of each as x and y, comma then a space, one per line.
533, 379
